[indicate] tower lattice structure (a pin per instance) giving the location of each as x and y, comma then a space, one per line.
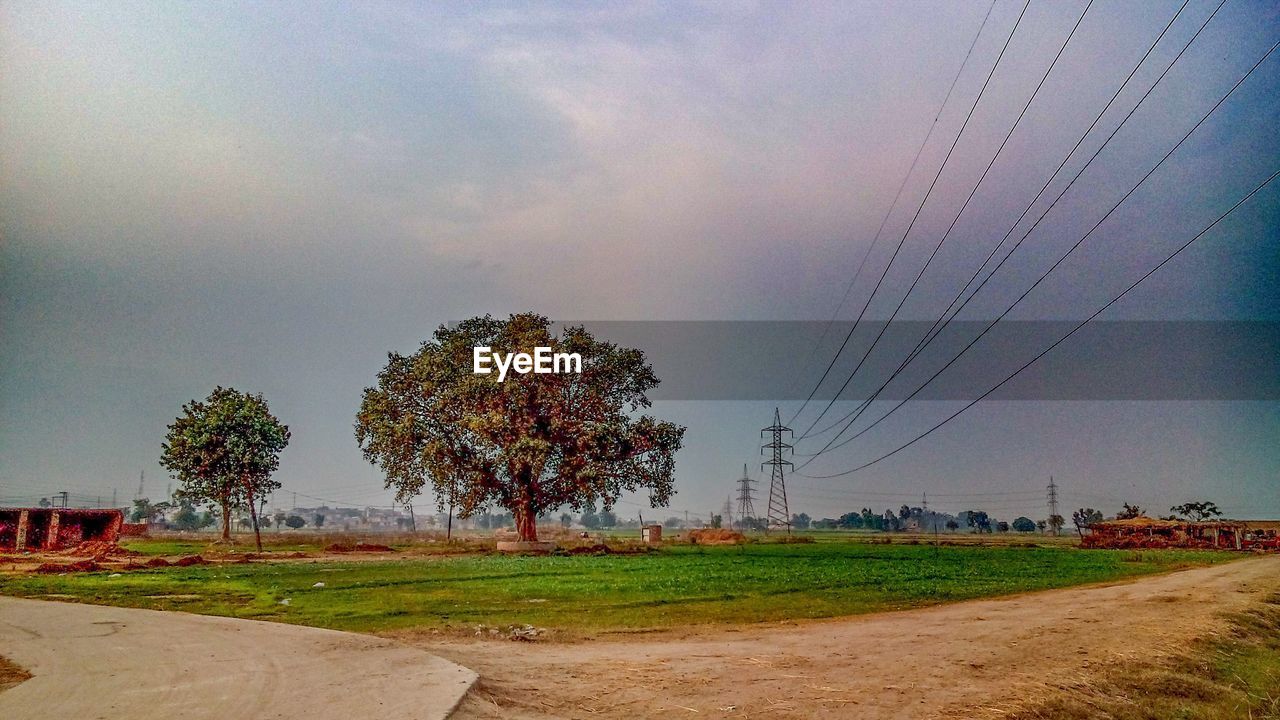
779, 515
746, 499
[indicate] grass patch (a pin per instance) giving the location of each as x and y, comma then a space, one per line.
1237, 676
679, 585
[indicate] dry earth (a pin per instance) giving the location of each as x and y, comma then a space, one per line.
969, 659
10, 674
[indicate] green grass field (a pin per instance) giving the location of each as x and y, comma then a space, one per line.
678, 585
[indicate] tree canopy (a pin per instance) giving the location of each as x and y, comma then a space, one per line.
1129, 512
1197, 511
223, 450
1085, 518
531, 443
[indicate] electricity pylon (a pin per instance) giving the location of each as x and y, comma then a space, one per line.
779, 515
746, 498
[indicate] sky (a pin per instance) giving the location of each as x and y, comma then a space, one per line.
275, 196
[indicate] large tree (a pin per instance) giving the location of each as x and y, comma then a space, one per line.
529, 443
223, 450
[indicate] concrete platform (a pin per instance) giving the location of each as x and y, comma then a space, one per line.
90, 661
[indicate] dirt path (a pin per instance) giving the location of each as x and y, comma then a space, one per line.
89, 661
960, 660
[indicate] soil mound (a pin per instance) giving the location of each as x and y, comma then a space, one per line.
99, 549
190, 560
716, 536
358, 547
80, 566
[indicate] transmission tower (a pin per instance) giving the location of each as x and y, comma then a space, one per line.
746, 498
726, 513
1053, 504
779, 515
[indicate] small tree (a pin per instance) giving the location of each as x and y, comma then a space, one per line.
317, 520
223, 450
1129, 512
1084, 518
188, 520
1024, 525
952, 525
801, 521
566, 520
1055, 523
530, 442
144, 511
978, 520
295, 522
1198, 511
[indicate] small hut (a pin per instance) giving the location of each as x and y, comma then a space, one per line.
23, 529
1146, 532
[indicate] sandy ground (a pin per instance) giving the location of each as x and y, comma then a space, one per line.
969, 659
90, 661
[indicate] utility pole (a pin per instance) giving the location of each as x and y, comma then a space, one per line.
1053, 505
727, 513
746, 496
142, 476
113, 498
413, 523
778, 515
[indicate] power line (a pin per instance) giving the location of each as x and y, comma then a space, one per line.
1062, 339
898, 195
929, 260
943, 321
831, 446
920, 208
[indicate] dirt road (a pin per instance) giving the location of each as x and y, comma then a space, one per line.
961, 660
90, 662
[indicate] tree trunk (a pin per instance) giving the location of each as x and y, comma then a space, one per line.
526, 522
253, 513
226, 519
